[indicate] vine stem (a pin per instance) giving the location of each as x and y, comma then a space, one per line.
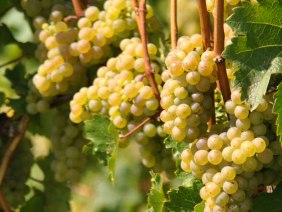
204, 23
173, 23
206, 37
135, 129
218, 49
78, 6
12, 147
141, 22
4, 203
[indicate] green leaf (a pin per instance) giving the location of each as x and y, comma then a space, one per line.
5, 35
18, 79
176, 147
104, 140
2, 98
35, 203
256, 50
278, 110
100, 131
56, 195
7, 38
19, 83
112, 163
199, 207
156, 197
184, 198
269, 201
5, 4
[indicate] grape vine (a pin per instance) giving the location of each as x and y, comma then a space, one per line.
184, 108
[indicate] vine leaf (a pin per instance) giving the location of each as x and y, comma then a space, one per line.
278, 109
104, 141
257, 48
2, 98
176, 147
7, 38
263, 201
55, 196
5, 4
19, 83
184, 198
199, 207
156, 197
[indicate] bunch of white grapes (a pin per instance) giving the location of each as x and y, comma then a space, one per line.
60, 70
66, 49
14, 186
67, 142
260, 121
120, 90
156, 156
234, 163
186, 95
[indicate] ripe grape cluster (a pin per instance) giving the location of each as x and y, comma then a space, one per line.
234, 163
66, 50
186, 95
120, 90
14, 185
67, 142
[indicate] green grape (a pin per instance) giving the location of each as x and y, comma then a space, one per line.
266, 156
228, 173
230, 187
201, 157
222, 199
238, 156
215, 157
215, 142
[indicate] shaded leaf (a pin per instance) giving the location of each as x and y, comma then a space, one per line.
156, 197
56, 196
2, 98
35, 203
269, 201
199, 207
176, 147
278, 110
104, 140
257, 49
5, 4
184, 198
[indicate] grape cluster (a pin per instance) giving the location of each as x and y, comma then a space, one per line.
35, 103
67, 144
60, 70
261, 120
66, 49
234, 163
154, 155
120, 91
186, 95
14, 185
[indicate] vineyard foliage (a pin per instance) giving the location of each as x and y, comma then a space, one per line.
120, 105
